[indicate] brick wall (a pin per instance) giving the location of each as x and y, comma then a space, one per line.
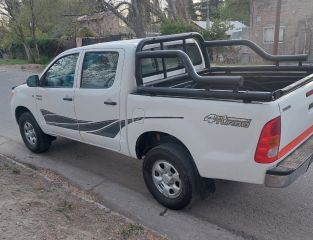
296, 19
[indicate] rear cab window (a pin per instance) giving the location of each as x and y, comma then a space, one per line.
153, 69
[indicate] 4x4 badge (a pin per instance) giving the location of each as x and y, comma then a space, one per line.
228, 121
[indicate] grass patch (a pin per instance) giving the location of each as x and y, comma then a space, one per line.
65, 206
131, 230
13, 61
44, 60
16, 171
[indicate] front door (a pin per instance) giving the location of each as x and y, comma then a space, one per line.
97, 99
55, 97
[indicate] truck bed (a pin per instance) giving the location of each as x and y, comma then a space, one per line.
245, 83
257, 82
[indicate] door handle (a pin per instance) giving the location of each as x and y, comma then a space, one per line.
68, 99
110, 103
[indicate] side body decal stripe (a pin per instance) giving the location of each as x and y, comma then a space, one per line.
291, 146
109, 128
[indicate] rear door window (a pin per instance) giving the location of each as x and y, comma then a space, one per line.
99, 70
154, 66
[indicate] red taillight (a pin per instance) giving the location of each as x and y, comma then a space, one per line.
268, 146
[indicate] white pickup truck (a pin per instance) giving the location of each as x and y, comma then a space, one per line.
160, 100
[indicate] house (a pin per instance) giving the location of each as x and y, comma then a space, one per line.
104, 24
236, 30
296, 25
108, 27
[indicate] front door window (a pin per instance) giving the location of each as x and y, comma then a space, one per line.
61, 74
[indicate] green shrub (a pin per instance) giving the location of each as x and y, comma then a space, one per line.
86, 32
218, 29
48, 48
173, 27
12, 61
44, 60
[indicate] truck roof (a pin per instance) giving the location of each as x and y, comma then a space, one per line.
114, 44
132, 43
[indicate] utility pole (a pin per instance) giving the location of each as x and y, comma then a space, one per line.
208, 23
277, 27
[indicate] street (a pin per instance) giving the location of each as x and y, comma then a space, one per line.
235, 211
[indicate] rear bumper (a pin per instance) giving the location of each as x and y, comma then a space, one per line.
296, 164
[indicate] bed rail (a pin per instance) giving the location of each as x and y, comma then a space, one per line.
209, 81
257, 49
204, 45
235, 81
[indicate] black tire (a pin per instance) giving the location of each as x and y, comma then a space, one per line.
43, 141
181, 160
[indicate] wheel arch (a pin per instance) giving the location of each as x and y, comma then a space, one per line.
19, 111
150, 139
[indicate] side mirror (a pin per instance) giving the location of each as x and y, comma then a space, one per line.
33, 81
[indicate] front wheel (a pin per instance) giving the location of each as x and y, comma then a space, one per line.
34, 138
169, 175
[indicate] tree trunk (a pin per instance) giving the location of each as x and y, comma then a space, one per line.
33, 30
179, 10
138, 18
172, 8
37, 53
21, 36
28, 52
140, 33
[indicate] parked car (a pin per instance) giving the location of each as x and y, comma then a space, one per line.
160, 100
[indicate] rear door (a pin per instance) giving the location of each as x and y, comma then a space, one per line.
97, 98
296, 118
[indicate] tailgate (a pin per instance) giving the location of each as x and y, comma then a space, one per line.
296, 118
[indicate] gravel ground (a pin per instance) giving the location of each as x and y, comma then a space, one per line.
38, 204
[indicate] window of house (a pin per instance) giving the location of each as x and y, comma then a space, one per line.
269, 34
62, 73
99, 70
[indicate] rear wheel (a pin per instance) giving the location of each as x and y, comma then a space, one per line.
34, 138
169, 175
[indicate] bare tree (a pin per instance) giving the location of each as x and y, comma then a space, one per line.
135, 13
11, 10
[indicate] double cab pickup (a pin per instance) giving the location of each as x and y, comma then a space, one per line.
161, 100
